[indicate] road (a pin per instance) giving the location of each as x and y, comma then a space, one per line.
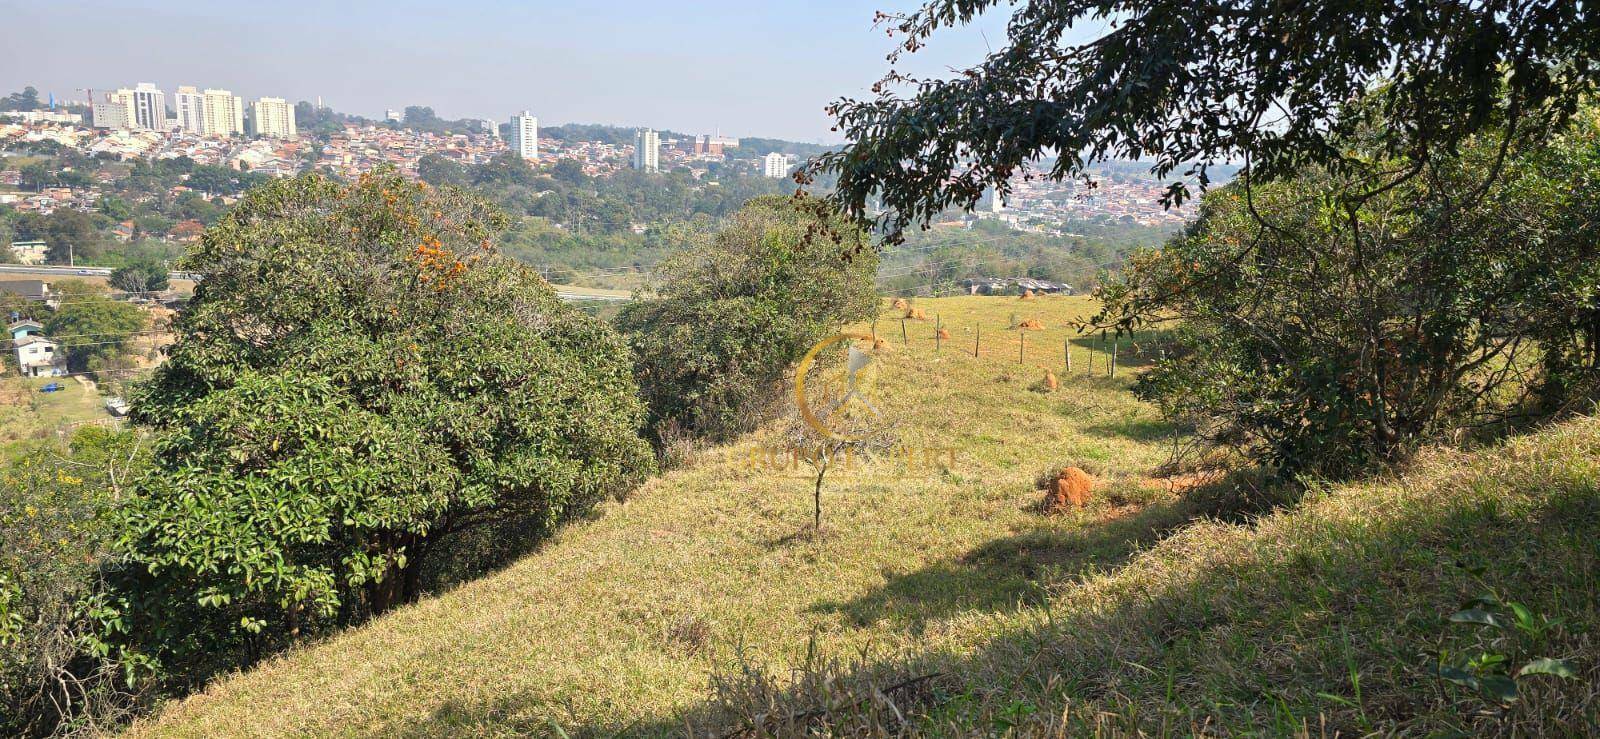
565, 292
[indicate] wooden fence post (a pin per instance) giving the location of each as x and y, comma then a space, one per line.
1113, 372
1022, 343
1066, 350
976, 340
904, 339
938, 326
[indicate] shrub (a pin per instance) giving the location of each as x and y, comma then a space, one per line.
726, 317
359, 383
56, 533
1334, 323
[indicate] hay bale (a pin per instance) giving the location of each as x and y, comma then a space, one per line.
1071, 488
916, 314
878, 344
1032, 324
900, 304
1050, 382
944, 333
1026, 295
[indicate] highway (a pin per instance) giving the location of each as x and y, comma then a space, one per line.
565, 292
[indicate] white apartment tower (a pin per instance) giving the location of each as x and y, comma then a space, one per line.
223, 114
647, 150
148, 106
191, 109
776, 165
272, 118
525, 135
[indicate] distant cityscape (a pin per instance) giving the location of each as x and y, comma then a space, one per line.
213, 126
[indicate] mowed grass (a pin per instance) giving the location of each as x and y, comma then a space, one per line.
937, 599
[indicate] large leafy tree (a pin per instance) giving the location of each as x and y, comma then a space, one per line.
726, 316
359, 387
1186, 85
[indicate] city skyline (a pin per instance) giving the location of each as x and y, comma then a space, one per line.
716, 67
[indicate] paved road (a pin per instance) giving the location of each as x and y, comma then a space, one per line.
562, 291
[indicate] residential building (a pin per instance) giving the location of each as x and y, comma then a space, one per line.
222, 114
647, 150
776, 165
34, 291
29, 252
37, 356
272, 118
116, 111
148, 105
393, 115
190, 105
525, 135
493, 129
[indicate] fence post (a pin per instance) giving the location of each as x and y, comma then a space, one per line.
1022, 342
976, 340
1103, 349
1066, 350
904, 339
938, 327
1113, 373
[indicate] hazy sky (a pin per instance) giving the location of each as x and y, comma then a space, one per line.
745, 68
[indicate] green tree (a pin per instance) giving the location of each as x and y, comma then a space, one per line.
436, 169
1185, 87
93, 329
27, 99
726, 316
360, 360
1330, 335
140, 277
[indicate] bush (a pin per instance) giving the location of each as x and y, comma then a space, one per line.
56, 534
1332, 324
727, 316
359, 384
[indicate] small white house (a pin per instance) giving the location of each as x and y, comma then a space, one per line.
37, 356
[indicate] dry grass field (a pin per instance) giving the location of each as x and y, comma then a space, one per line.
937, 599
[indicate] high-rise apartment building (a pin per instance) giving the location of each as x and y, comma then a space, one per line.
647, 150
776, 165
147, 106
115, 111
190, 105
272, 118
222, 114
525, 135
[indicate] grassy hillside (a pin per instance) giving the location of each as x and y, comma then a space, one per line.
704, 602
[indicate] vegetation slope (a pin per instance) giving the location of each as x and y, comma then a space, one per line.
703, 602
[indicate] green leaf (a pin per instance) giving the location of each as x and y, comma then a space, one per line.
1498, 687
1548, 666
1476, 616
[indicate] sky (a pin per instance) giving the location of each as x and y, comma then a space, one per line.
740, 68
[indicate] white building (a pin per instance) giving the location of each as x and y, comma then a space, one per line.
147, 106
647, 150
37, 356
272, 118
113, 112
525, 135
191, 109
776, 165
29, 252
222, 114
393, 115
493, 129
